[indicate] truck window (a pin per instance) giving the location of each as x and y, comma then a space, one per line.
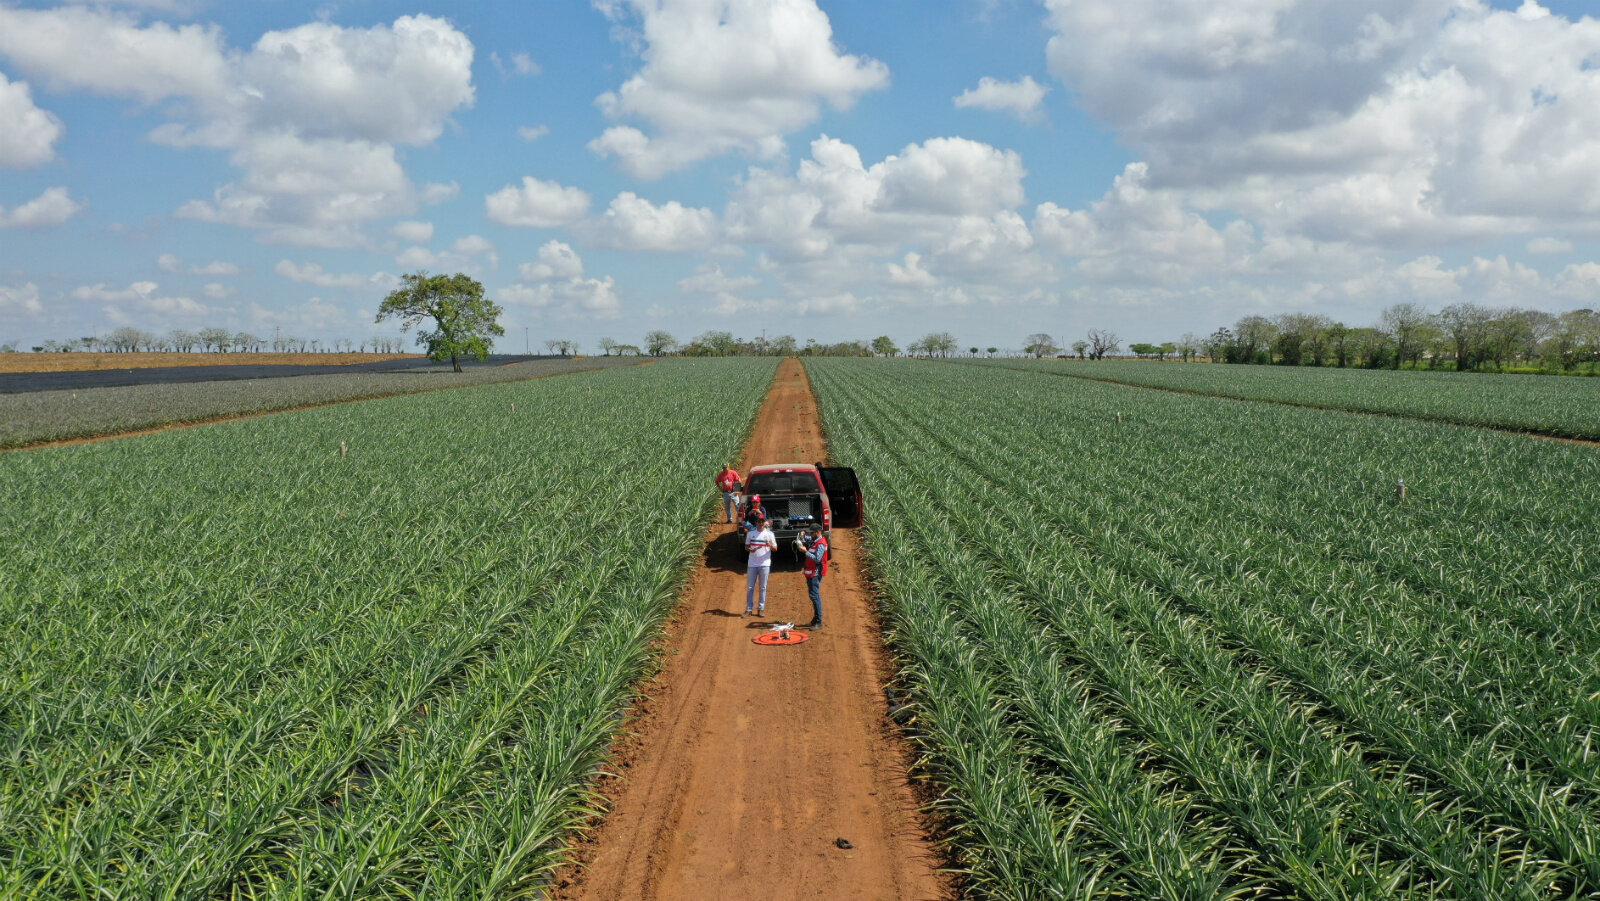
781, 483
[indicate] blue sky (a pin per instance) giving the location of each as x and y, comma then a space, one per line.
826, 170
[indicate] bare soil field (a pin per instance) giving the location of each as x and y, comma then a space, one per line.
77, 362
747, 764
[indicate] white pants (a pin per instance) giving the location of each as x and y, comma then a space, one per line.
756, 574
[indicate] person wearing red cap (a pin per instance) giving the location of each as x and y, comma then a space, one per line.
753, 511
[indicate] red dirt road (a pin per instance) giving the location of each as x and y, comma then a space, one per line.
749, 762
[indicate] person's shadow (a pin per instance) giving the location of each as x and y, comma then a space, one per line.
725, 553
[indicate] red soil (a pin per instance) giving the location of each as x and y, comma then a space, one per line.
748, 763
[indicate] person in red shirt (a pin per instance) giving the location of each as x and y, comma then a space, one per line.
728, 481
816, 567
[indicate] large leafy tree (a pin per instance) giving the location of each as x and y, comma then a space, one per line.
659, 342
465, 322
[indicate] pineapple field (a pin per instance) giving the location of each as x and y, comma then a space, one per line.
1164, 646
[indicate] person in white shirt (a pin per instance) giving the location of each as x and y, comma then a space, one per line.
760, 542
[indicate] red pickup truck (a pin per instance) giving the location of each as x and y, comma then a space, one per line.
798, 495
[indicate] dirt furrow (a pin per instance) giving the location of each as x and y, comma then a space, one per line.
748, 763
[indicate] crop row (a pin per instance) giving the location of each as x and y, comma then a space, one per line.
240, 662
1172, 646
32, 417
1566, 407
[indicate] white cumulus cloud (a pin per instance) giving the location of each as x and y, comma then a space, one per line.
953, 176
53, 207
18, 300
100, 292
471, 254
720, 76
1020, 98
314, 274
310, 115
575, 298
413, 232
557, 260
926, 193
634, 223
28, 134
519, 64
556, 284
911, 273
1389, 122
537, 204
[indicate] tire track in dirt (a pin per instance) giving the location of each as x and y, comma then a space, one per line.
748, 762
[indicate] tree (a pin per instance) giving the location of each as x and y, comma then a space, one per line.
216, 339
714, 343
1339, 343
1040, 345
1220, 346
1300, 335
1371, 347
1253, 337
465, 322
1102, 343
991, 351
884, 346
1143, 349
938, 344
1189, 346
1576, 338
784, 346
1405, 324
659, 342
1166, 349
1315, 334
608, 345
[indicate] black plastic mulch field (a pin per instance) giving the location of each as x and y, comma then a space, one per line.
23, 382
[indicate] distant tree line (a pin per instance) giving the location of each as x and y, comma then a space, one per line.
1461, 336
718, 343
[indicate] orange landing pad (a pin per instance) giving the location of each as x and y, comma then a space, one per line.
781, 638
